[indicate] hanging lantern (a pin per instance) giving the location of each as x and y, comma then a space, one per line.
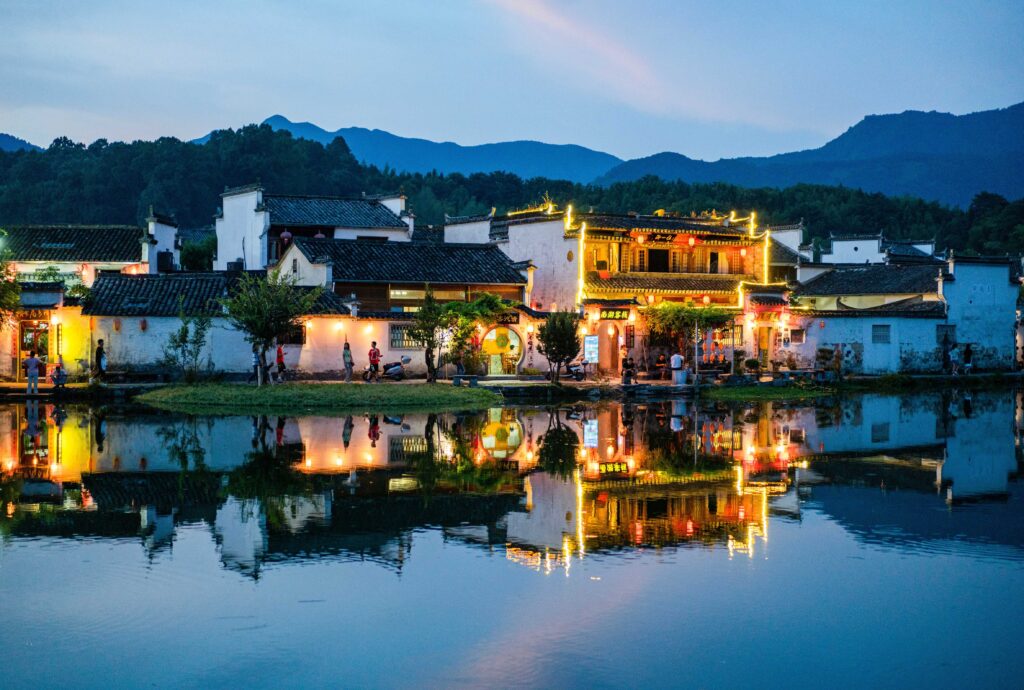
692, 241
143, 325
743, 251
319, 235
706, 299
286, 237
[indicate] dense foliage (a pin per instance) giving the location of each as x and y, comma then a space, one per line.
117, 182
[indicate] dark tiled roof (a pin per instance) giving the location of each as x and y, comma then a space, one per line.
115, 243
116, 294
411, 262
432, 234
906, 250
328, 304
196, 235
456, 220
664, 283
599, 221
780, 254
332, 211
874, 279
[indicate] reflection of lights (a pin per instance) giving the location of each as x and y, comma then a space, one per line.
10, 508
309, 462
529, 456
610, 450
583, 452
368, 457
631, 463
593, 467
338, 460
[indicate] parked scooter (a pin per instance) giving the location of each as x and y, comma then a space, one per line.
389, 370
575, 370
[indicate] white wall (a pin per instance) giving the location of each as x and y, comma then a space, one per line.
477, 232
854, 252
241, 231
792, 238
556, 277
392, 234
294, 263
165, 236
983, 305
131, 347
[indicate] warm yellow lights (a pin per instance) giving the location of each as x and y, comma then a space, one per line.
706, 299
579, 258
55, 320
743, 252
339, 325
584, 330
611, 331
309, 324
767, 243
632, 317
692, 241
368, 328
529, 328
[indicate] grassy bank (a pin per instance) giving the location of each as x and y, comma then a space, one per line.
314, 398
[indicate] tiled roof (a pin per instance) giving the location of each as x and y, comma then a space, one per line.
332, 211
72, 243
456, 220
874, 279
115, 294
599, 221
196, 235
662, 283
780, 254
433, 234
411, 262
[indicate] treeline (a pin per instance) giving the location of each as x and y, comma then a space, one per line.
117, 183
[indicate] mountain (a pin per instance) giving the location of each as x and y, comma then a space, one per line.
935, 156
9, 142
524, 158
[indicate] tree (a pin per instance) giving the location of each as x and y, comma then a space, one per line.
266, 307
558, 448
559, 340
198, 256
681, 321
184, 348
10, 290
451, 325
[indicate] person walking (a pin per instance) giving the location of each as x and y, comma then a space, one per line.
32, 366
968, 359
346, 359
280, 363
954, 361
374, 356
100, 362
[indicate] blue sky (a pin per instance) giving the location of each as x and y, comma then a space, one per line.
707, 79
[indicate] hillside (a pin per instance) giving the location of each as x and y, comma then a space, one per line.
10, 142
522, 158
935, 156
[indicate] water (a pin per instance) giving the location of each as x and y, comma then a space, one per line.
876, 542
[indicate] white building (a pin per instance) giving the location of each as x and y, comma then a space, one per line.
254, 227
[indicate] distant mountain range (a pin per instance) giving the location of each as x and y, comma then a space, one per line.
935, 156
524, 158
12, 143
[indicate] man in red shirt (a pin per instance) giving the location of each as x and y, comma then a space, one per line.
374, 355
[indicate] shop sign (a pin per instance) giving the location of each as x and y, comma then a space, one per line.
507, 318
613, 467
614, 314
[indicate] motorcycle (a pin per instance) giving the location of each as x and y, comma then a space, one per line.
394, 371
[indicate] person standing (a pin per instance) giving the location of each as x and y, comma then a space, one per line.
32, 366
954, 361
968, 359
100, 362
346, 359
280, 363
678, 377
374, 356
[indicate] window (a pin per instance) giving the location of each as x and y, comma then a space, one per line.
881, 334
293, 336
641, 260
880, 432
674, 267
713, 262
399, 337
295, 267
797, 336
403, 449
630, 336
945, 335
657, 260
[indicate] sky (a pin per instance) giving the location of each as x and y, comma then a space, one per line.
706, 79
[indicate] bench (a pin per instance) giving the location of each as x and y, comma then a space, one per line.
470, 379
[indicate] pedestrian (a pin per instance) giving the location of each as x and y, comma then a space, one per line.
346, 358
100, 362
280, 363
374, 356
255, 374
32, 366
954, 361
968, 359
59, 377
678, 375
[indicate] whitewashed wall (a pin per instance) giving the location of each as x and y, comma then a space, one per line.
241, 231
983, 305
854, 252
555, 280
477, 232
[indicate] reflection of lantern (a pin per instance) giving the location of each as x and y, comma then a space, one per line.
117, 325
143, 325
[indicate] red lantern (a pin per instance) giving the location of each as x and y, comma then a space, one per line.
117, 325
143, 325
706, 299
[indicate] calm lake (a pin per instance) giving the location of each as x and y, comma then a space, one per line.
875, 541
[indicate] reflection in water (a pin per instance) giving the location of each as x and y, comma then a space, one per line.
236, 545
546, 485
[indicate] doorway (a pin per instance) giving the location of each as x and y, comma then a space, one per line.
764, 340
503, 350
33, 334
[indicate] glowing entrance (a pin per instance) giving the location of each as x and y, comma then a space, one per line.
503, 350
